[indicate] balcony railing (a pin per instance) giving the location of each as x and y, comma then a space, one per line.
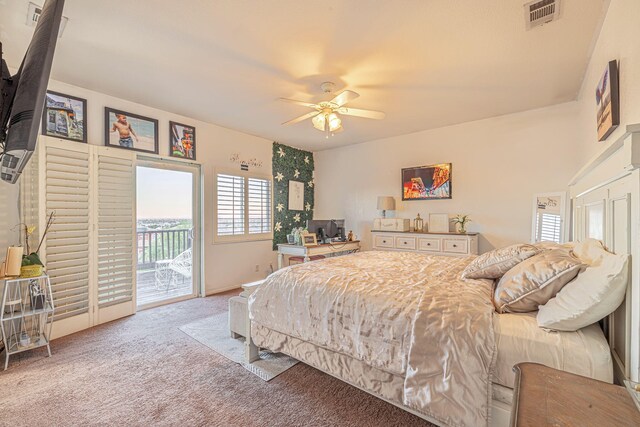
158, 245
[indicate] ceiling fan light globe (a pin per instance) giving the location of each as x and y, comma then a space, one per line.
334, 122
319, 122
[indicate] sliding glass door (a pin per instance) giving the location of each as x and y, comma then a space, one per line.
168, 230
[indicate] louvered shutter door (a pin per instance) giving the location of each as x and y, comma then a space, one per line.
67, 245
259, 206
231, 207
115, 227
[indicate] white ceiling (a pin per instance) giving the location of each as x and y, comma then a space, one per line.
426, 63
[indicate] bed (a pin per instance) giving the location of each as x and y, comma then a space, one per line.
406, 328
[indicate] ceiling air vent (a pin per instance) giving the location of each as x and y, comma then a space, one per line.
33, 14
541, 12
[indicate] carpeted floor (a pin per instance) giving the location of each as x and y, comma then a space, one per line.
143, 370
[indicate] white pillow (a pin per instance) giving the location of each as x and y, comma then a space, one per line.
593, 295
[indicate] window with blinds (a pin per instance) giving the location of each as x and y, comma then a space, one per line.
243, 207
548, 211
548, 228
259, 202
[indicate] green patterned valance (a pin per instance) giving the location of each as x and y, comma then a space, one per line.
290, 164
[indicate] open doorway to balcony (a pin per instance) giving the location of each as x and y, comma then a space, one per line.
167, 233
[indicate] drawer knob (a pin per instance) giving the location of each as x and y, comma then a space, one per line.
455, 246
428, 244
384, 241
405, 243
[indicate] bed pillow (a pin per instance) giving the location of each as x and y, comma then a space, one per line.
493, 264
535, 281
596, 292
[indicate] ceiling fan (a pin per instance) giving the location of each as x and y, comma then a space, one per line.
326, 114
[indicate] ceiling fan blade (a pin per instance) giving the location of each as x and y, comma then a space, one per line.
305, 104
367, 114
301, 118
344, 97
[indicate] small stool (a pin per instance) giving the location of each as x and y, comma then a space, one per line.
300, 259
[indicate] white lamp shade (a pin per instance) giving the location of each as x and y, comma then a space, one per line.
386, 203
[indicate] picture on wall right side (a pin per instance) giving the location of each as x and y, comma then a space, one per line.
608, 101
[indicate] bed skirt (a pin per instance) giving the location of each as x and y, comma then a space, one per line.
383, 385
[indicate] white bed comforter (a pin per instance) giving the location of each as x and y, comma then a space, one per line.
406, 313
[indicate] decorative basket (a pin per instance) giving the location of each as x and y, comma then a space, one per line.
31, 271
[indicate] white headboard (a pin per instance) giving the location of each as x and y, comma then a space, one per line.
605, 199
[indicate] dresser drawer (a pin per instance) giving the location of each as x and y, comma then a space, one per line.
405, 242
432, 245
455, 245
383, 241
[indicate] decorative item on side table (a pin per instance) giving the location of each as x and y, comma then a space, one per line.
439, 223
309, 239
297, 233
386, 203
418, 224
31, 264
461, 222
427, 182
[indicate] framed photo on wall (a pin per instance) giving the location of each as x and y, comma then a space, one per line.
130, 131
608, 101
296, 196
427, 182
182, 141
65, 117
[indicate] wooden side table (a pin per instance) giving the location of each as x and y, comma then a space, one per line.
548, 397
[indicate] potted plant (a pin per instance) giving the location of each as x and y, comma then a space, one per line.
32, 265
461, 222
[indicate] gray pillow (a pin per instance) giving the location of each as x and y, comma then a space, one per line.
534, 282
493, 264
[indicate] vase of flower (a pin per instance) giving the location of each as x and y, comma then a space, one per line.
32, 265
461, 223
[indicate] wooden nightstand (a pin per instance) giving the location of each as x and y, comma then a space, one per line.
544, 396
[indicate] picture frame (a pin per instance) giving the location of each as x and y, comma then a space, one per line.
438, 223
309, 239
117, 126
65, 117
296, 196
431, 182
182, 141
608, 101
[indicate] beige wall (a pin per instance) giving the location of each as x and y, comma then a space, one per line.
498, 165
619, 39
226, 265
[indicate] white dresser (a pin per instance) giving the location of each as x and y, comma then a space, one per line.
451, 244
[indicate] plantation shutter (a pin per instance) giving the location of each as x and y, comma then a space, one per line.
230, 205
548, 218
548, 227
89, 250
115, 227
67, 246
259, 205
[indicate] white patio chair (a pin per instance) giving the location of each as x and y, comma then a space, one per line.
168, 271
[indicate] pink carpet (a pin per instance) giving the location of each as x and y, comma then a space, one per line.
143, 370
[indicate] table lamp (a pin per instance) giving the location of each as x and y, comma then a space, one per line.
386, 203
